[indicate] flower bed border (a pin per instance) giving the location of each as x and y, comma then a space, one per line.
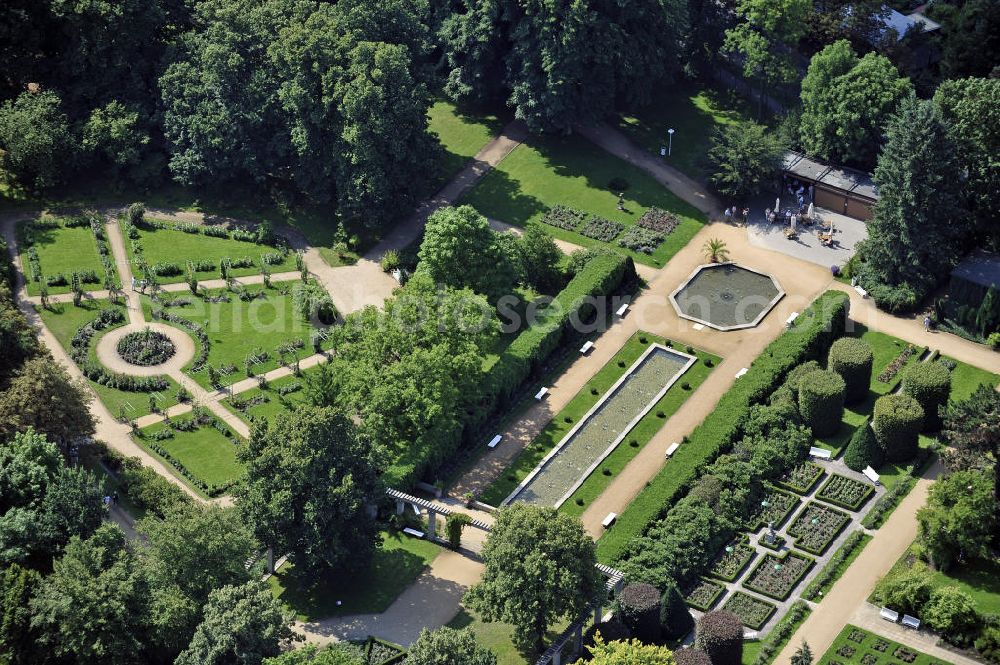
833, 536
740, 542
810, 562
803, 491
843, 504
757, 626
719, 590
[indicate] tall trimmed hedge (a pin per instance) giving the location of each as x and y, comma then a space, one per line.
639, 609
821, 401
930, 385
863, 450
692, 656
602, 275
852, 359
809, 338
897, 421
720, 635
675, 617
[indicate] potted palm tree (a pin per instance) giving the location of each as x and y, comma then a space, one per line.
715, 250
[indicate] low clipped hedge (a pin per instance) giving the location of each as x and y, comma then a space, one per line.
852, 359
809, 338
929, 384
897, 422
821, 401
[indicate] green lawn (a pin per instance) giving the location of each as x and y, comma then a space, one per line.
461, 134
276, 403
581, 403
966, 378
396, 565
857, 650
168, 246
545, 171
499, 637
205, 452
694, 115
979, 578
60, 250
237, 329
64, 319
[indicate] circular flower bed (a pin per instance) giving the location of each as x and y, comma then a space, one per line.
146, 347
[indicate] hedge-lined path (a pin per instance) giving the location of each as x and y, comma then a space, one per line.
106, 427
652, 312
430, 602
851, 591
615, 142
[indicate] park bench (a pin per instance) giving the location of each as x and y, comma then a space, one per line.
494, 441
861, 291
413, 532
791, 319
889, 615
621, 310
911, 622
609, 520
820, 453
586, 347
871, 475
742, 372
672, 448
541, 393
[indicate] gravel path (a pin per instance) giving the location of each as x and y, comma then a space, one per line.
107, 351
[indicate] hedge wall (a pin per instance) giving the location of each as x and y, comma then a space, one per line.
809, 338
897, 422
821, 401
852, 358
929, 384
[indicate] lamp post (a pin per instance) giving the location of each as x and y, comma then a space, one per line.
670, 141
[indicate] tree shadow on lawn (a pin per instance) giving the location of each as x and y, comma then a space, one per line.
499, 637
499, 196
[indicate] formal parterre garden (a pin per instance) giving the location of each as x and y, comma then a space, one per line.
753, 612
572, 188
816, 526
845, 492
855, 646
54, 249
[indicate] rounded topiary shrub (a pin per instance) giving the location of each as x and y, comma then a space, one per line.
930, 385
821, 401
897, 422
675, 617
852, 359
863, 450
611, 631
797, 372
720, 635
692, 656
639, 609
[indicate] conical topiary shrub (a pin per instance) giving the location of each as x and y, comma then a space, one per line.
675, 617
863, 450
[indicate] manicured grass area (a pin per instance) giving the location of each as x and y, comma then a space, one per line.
854, 644
205, 452
966, 378
394, 567
60, 251
64, 319
238, 329
693, 114
571, 171
581, 403
169, 246
499, 637
461, 134
276, 402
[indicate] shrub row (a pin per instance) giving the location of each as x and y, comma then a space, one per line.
202, 358
809, 338
263, 235
782, 631
834, 568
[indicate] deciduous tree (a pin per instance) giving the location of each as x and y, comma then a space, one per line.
37, 145
447, 646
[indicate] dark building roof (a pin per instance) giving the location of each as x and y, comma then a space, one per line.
848, 180
981, 268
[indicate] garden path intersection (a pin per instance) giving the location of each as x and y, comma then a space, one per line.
434, 599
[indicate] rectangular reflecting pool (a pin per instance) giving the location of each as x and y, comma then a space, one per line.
600, 431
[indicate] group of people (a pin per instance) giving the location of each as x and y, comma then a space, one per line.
799, 190
140, 283
733, 212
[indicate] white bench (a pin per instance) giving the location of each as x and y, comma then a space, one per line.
672, 448
911, 622
889, 615
820, 453
609, 520
791, 319
621, 310
413, 532
586, 347
742, 372
871, 475
541, 393
494, 441
861, 291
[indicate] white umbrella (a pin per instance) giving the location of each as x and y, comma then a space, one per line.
810, 212
777, 204
793, 223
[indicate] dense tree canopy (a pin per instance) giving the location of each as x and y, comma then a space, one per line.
765, 35
447, 646
846, 102
745, 157
960, 518
972, 429
43, 396
35, 139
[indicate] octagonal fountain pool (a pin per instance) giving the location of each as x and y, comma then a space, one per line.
600, 431
726, 296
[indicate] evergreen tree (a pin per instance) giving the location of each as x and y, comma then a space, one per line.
803, 655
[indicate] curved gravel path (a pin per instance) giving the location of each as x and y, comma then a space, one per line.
107, 351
